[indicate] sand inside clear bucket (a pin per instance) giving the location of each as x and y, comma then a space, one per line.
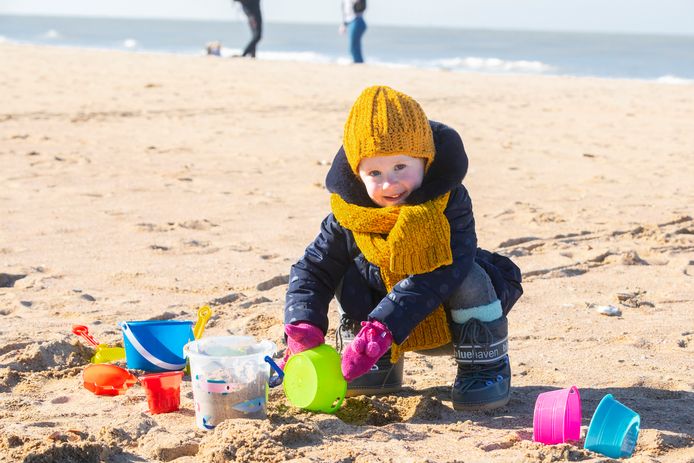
229, 377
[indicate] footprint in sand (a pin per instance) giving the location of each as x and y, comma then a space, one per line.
198, 247
7, 280
547, 217
272, 282
255, 301
228, 299
151, 227
202, 224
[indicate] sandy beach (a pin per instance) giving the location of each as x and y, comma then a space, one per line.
140, 186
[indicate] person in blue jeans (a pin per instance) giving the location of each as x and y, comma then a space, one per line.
353, 23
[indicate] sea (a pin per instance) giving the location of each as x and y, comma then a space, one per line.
660, 58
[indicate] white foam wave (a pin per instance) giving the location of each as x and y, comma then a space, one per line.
453, 64
473, 63
51, 34
674, 80
304, 56
130, 43
3, 39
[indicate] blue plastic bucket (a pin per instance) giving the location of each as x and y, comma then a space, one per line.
156, 345
614, 429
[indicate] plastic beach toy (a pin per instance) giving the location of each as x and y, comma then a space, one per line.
230, 376
204, 314
156, 345
313, 380
103, 353
105, 379
557, 417
163, 391
614, 429
83, 331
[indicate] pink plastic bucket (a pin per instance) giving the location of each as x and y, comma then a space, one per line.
557, 416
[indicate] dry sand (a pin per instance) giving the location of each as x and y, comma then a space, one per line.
138, 186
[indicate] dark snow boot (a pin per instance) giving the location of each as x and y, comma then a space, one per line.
384, 377
483, 381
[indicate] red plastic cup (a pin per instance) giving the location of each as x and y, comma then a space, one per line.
163, 391
557, 417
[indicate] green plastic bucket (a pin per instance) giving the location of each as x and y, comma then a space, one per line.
313, 380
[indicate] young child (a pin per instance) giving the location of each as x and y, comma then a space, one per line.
399, 252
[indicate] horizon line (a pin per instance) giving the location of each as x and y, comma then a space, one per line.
326, 23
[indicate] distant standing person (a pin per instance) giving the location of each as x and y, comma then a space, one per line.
353, 22
255, 21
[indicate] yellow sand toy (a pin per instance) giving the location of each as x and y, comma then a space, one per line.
103, 353
204, 314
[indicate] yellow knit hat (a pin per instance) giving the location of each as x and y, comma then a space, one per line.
386, 122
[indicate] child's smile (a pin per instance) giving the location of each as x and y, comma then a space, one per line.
389, 180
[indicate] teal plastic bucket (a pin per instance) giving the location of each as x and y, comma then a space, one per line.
156, 345
614, 429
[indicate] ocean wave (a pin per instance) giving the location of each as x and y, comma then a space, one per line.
130, 43
670, 79
474, 63
453, 64
304, 56
51, 34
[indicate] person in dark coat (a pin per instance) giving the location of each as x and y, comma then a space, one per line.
255, 21
399, 252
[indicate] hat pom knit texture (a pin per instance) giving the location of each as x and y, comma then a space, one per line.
386, 122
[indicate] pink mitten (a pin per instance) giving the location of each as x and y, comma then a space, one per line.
368, 346
301, 337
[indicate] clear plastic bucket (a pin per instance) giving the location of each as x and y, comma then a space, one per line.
230, 376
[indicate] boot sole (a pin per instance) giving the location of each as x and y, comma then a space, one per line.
373, 391
465, 407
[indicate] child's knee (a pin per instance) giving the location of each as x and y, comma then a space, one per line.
476, 290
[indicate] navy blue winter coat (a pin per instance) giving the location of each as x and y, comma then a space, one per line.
314, 279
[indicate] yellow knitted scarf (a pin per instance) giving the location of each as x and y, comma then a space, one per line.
401, 241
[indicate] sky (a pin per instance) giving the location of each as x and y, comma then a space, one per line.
670, 17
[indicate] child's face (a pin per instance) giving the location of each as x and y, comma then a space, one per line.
389, 180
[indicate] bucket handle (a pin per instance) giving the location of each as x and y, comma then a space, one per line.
145, 353
336, 405
275, 380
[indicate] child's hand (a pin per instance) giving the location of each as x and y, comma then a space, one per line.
368, 346
301, 337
